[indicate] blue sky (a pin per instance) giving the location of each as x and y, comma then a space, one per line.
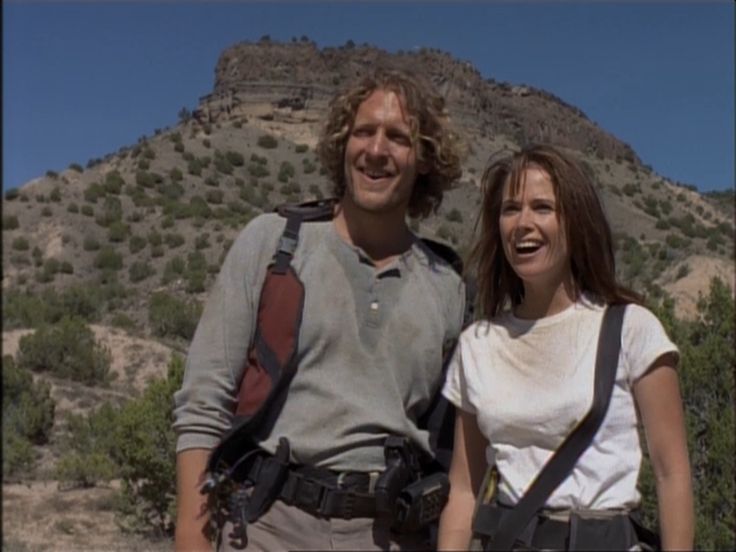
82, 79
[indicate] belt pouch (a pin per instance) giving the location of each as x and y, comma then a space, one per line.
271, 478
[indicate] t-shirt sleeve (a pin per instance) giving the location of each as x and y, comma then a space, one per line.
644, 341
455, 389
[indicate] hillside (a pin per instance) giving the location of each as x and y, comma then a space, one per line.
133, 241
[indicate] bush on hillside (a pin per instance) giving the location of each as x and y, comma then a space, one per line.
145, 451
28, 416
67, 349
266, 141
171, 317
706, 372
108, 259
88, 445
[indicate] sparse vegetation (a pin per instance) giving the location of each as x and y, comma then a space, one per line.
67, 349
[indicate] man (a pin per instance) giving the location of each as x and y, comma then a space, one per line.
380, 311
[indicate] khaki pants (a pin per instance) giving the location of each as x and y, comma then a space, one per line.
286, 527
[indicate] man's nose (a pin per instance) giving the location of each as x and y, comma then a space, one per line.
378, 144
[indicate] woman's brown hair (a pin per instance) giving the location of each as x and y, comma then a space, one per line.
438, 147
580, 211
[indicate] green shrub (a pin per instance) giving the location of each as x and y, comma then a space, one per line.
67, 349
136, 244
117, 231
145, 445
154, 238
214, 196
707, 357
55, 195
139, 271
257, 170
202, 241
26, 310
266, 141
194, 167
173, 269
11, 194
108, 259
88, 211
308, 167
88, 447
144, 179
76, 167
28, 409
114, 182
199, 208
171, 317
235, 159
93, 192
72, 207
47, 212
90, 244
174, 240
20, 243
122, 320
112, 211
301, 148
176, 175
222, 165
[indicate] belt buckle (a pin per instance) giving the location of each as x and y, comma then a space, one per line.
314, 498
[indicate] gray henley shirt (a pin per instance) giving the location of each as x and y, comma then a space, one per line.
369, 354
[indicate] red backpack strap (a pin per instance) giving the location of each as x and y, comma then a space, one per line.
269, 365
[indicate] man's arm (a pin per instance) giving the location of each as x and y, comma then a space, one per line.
191, 512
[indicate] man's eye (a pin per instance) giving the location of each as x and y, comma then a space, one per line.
402, 139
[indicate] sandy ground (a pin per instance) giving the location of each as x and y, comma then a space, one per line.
38, 515
702, 270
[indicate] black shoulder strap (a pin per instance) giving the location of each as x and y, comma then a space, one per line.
295, 214
439, 419
559, 466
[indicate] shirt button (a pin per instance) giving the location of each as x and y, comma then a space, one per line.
374, 306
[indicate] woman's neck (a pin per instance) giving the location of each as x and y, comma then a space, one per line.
540, 302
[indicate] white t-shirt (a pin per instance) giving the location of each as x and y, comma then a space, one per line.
529, 382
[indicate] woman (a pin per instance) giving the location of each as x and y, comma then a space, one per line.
522, 377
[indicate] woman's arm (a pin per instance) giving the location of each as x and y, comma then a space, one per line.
658, 399
191, 511
466, 474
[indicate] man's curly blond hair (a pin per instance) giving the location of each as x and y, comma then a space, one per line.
438, 147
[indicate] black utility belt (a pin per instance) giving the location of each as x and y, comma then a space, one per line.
566, 530
399, 493
322, 492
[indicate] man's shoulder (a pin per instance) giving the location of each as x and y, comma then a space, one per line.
439, 259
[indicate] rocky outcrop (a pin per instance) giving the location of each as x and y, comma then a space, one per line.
300, 76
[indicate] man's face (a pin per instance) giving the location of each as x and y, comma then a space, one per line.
380, 156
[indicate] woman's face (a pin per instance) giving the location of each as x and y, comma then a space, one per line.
532, 232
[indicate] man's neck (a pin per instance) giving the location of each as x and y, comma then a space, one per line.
382, 236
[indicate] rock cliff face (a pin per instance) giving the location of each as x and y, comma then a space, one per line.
300, 77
